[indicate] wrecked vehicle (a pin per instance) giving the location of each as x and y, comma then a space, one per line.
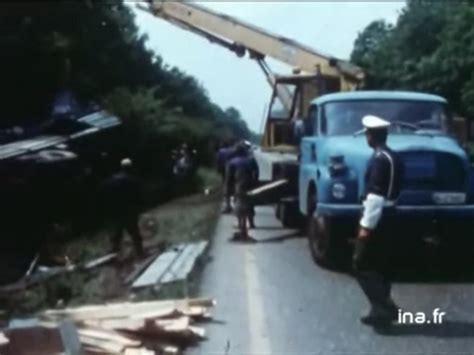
47, 172
437, 193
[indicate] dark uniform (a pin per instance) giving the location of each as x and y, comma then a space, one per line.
224, 155
382, 179
243, 172
122, 196
383, 175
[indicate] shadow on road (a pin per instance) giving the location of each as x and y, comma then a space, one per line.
447, 329
431, 268
269, 227
277, 239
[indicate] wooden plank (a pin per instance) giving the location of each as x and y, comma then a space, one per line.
183, 265
191, 262
110, 346
176, 266
99, 261
141, 351
198, 332
157, 313
32, 265
174, 325
127, 309
197, 311
128, 324
267, 187
158, 267
109, 335
139, 269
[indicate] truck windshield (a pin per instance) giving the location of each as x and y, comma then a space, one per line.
345, 117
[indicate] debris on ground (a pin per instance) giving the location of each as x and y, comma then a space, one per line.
37, 273
93, 276
153, 327
175, 264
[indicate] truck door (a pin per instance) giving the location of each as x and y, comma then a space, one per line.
308, 157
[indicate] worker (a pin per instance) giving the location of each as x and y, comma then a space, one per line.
243, 171
224, 155
382, 182
122, 196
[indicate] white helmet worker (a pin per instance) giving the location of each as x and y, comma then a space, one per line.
374, 122
126, 163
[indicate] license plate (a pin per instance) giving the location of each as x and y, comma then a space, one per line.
449, 198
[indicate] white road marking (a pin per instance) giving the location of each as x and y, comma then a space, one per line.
258, 330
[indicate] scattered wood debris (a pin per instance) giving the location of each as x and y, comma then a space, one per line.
138, 269
153, 327
173, 265
99, 261
37, 274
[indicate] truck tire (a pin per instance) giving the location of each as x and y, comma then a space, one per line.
326, 241
288, 214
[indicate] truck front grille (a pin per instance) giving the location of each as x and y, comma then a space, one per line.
432, 171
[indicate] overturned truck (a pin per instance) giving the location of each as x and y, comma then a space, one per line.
46, 175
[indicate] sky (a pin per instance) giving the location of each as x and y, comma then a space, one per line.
330, 27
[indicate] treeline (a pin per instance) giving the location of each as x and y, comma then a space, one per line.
94, 49
430, 48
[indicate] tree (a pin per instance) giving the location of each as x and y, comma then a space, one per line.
95, 50
431, 49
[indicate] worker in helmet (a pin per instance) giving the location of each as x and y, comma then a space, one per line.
122, 196
224, 155
243, 171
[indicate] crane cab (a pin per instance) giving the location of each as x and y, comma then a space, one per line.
289, 105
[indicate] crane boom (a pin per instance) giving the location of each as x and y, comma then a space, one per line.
240, 36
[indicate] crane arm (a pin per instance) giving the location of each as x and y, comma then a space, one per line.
240, 36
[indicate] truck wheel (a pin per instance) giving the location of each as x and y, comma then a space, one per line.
457, 242
325, 240
288, 215
322, 242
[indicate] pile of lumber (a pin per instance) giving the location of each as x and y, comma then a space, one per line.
153, 327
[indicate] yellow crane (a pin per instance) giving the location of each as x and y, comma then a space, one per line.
314, 73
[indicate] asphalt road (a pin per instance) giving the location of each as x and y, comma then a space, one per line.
272, 299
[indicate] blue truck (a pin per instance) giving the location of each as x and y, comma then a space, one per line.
438, 181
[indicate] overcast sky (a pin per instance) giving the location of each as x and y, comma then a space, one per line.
330, 27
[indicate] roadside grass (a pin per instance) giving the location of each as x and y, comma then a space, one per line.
183, 220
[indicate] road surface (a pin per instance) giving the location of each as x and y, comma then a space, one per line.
272, 299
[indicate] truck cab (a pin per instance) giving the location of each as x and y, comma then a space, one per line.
438, 180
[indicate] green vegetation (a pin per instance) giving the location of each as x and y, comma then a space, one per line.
94, 50
184, 220
431, 48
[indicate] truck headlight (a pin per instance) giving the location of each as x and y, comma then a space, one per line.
339, 190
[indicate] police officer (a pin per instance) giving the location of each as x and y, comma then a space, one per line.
382, 181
